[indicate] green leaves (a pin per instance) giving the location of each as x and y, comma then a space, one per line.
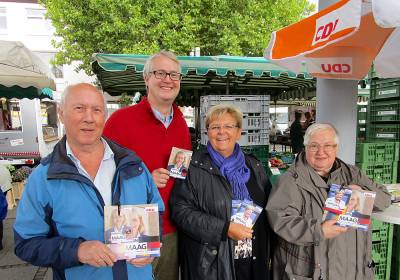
144, 27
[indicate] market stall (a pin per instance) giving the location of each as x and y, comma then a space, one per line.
206, 75
24, 78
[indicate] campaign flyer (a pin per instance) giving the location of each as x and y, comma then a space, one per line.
356, 212
132, 231
178, 162
247, 213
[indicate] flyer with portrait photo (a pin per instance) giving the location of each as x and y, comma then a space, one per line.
235, 207
132, 231
244, 212
178, 162
357, 211
338, 198
247, 213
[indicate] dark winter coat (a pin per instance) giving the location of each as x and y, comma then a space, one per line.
201, 208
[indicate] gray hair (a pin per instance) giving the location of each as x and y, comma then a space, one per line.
149, 63
218, 110
68, 89
318, 127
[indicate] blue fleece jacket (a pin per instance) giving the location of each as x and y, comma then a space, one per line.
61, 208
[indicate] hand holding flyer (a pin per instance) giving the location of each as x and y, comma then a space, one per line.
178, 162
247, 213
358, 205
132, 231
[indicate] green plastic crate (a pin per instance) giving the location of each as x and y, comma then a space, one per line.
377, 152
382, 242
385, 88
382, 272
385, 110
362, 112
395, 272
381, 172
261, 152
361, 132
380, 233
384, 132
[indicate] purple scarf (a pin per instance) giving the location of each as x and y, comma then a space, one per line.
234, 169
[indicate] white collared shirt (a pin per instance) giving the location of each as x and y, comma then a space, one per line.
105, 174
166, 120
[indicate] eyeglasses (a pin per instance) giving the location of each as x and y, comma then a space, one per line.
161, 74
325, 148
227, 127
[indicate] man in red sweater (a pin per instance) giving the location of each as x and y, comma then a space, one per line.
151, 128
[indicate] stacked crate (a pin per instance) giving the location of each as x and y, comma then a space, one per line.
382, 238
379, 160
384, 111
395, 272
362, 121
255, 130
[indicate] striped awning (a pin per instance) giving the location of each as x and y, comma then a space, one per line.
122, 73
28, 92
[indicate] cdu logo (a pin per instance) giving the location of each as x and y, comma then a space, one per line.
324, 31
343, 68
331, 65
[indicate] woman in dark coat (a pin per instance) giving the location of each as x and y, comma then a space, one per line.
213, 247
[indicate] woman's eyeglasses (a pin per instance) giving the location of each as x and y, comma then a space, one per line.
216, 128
326, 148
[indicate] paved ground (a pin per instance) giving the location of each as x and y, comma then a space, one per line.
12, 268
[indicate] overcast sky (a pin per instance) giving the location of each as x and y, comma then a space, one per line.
314, 2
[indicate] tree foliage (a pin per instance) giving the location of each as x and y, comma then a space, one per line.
146, 26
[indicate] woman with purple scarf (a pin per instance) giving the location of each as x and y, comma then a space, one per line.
213, 245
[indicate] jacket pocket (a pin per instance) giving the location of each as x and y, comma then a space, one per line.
208, 262
289, 275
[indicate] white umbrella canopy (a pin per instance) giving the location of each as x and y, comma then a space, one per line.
21, 67
342, 41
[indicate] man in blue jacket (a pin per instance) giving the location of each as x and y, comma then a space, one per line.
60, 218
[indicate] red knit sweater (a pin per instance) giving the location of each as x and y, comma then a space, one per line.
137, 128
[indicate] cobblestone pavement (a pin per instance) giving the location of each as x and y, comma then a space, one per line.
11, 267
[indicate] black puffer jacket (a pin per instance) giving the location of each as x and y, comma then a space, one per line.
201, 208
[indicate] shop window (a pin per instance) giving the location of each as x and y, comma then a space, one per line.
281, 117
10, 115
48, 112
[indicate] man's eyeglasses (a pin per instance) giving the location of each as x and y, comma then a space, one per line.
216, 128
161, 74
325, 148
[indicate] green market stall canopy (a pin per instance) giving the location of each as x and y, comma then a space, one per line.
204, 75
28, 92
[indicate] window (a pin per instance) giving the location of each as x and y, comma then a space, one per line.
3, 18
37, 22
281, 115
10, 115
48, 112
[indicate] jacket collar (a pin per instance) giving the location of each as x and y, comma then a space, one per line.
61, 166
202, 159
146, 105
